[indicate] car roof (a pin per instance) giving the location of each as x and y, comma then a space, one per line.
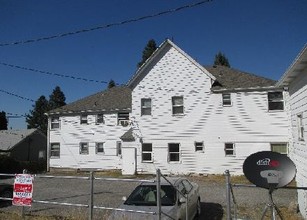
172, 180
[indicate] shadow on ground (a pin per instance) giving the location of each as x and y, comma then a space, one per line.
211, 211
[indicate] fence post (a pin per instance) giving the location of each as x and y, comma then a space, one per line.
90, 215
186, 207
158, 180
24, 171
228, 201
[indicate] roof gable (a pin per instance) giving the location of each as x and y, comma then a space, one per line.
232, 79
296, 68
113, 99
162, 49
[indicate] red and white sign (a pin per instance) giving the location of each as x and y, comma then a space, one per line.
23, 190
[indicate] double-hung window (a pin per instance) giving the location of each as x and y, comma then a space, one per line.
84, 148
281, 148
83, 119
146, 152
177, 105
100, 148
123, 118
226, 99
199, 146
229, 149
55, 122
275, 101
173, 152
146, 106
99, 119
300, 127
55, 150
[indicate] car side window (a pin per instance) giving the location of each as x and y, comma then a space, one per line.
181, 188
187, 185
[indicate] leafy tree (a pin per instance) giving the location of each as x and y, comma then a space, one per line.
148, 50
111, 84
3, 121
221, 59
37, 117
56, 99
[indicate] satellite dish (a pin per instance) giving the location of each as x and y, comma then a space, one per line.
269, 169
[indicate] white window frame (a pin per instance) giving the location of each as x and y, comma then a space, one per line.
144, 107
229, 147
147, 152
55, 150
199, 146
300, 127
55, 122
83, 119
226, 99
174, 153
278, 145
82, 146
100, 119
97, 144
177, 106
276, 100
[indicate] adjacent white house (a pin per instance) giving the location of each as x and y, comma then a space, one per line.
295, 78
174, 114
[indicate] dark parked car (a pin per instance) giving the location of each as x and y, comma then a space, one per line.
6, 191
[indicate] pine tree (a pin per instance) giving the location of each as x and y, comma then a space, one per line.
3, 121
221, 59
111, 84
148, 50
37, 117
56, 99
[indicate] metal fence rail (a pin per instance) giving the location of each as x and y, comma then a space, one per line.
91, 205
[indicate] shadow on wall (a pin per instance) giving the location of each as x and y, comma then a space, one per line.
211, 211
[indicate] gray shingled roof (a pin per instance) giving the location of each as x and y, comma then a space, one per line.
228, 78
128, 136
9, 138
114, 99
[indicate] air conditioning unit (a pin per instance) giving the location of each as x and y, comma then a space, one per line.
124, 123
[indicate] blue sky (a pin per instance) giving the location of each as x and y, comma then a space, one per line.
261, 37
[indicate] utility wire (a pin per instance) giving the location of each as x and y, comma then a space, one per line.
12, 115
107, 25
18, 96
52, 74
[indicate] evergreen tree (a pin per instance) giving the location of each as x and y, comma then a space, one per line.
221, 59
56, 99
148, 50
3, 121
37, 117
111, 84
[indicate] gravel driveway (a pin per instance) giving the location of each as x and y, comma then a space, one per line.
110, 193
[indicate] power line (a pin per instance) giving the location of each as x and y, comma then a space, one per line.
52, 74
12, 115
107, 25
18, 96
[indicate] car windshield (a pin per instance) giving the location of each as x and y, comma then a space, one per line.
146, 195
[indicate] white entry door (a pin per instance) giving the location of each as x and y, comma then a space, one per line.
128, 161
